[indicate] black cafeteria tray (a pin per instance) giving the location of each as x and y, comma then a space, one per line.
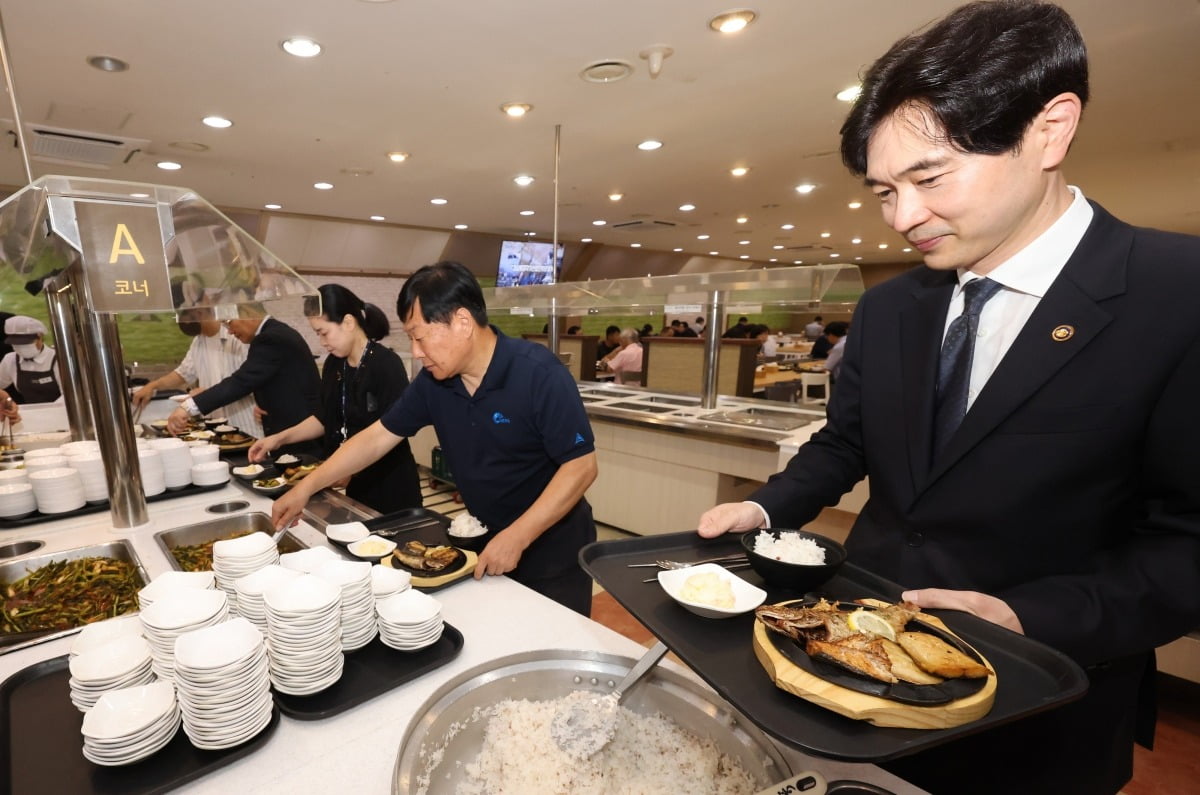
97, 507
1031, 677
426, 526
369, 672
41, 746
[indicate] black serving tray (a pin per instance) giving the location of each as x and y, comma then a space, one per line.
426, 526
369, 672
97, 507
41, 745
1031, 677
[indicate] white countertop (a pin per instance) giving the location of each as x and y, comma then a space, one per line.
356, 750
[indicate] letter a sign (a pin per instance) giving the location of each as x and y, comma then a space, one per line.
123, 257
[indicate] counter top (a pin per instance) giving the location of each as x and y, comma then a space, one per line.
356, 750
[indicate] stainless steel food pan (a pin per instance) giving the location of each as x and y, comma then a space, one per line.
222, 527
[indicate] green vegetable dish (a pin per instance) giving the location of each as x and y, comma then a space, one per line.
66, 594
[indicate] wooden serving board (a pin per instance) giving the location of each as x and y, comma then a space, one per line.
464, 569
860, 706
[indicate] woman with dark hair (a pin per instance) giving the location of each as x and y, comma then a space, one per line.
360, 380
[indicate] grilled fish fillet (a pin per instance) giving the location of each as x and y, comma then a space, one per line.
934, 655
864, 658
905, 668
416, 555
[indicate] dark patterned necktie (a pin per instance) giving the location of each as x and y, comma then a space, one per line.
954, 366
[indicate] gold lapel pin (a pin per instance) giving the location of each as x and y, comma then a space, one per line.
1062, 333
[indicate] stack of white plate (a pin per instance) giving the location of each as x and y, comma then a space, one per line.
308, 560
131, 724
223, 685
41, 452
234, 558
150, 464
71, 449
10, 476
304, 635
17, 499
210, 473
101, 632
250, 591
358, 600
171, 581
46, 462
409, 620
175, 614
57, 490
387, 581
176, 462
90, 467
202, 452
120, 663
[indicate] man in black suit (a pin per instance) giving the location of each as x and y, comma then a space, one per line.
1024, 482
279, 371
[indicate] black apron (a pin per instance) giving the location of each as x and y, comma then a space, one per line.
37, 387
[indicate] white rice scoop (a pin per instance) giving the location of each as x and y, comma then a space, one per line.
586, 722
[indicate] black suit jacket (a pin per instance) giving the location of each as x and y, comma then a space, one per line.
1072, 488
280, 372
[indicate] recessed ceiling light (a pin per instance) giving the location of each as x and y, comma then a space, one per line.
732, 21
883, 245
460, 226
650, 145
323, 185
743, 242
677, 249
777, 248
219, 122
702, 237
515, 110
598, 222
437, 201
858, 259
527, 212
524, 180
585, 240
805, 187
906, 250
856, 240
773, 259
616, 197
744, 256
741, 219
713, 253
107, 63
797, 262
849, 94
686, 208
825, 234
378, 218
788, 226
635, 245
168, 165
273, 206
140, 195
740, 171
835, 255
530, 234
609, 70
398, 157
854, 205
301, 47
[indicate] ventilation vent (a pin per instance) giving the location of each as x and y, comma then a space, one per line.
809, 247
643, 226
79, 148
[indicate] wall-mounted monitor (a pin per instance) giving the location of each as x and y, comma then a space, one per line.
525, 262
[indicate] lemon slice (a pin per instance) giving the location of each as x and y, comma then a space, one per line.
869, 623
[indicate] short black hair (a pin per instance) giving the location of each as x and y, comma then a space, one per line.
612, 330
442, 288
573, 330
984, 72
837, 328
743, 320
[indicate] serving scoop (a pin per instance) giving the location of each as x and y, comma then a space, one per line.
587, 722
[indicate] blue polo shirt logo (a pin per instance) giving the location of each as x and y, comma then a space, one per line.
499, 418
579, 438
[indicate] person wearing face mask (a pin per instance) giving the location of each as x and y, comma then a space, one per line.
359, 382
30, 373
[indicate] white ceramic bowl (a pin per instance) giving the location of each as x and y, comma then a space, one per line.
372, 548
101, 632
210, 473
347, 532
307, 560
746, 597
408, 607
218, 646
386, 581
124, 712
112, 660
306, 593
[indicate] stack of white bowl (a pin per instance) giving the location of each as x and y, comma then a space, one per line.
172, 581
210, 473
202, 452
46, 462
250, 591
16, 497
71, 449
234, 558
223, 684
42, 452
57, 490
386, 581
176, 614
131, 724
176, 462
150, 464
308, 560
358, 600
409, 620
119, 663
101, 632
9, 477
90, 467
304, 635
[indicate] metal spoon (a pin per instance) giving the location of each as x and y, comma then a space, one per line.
583, 726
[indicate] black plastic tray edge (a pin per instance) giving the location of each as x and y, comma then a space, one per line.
97, 507
1070, 676
45, 667
292, 705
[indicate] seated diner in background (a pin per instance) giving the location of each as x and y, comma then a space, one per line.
626, 362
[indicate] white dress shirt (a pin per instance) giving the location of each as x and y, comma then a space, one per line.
209, 361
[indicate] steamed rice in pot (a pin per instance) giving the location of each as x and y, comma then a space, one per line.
790, 548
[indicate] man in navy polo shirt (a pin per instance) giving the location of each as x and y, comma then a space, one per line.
511, 424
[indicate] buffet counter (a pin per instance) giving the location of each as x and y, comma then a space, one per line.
356, 750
